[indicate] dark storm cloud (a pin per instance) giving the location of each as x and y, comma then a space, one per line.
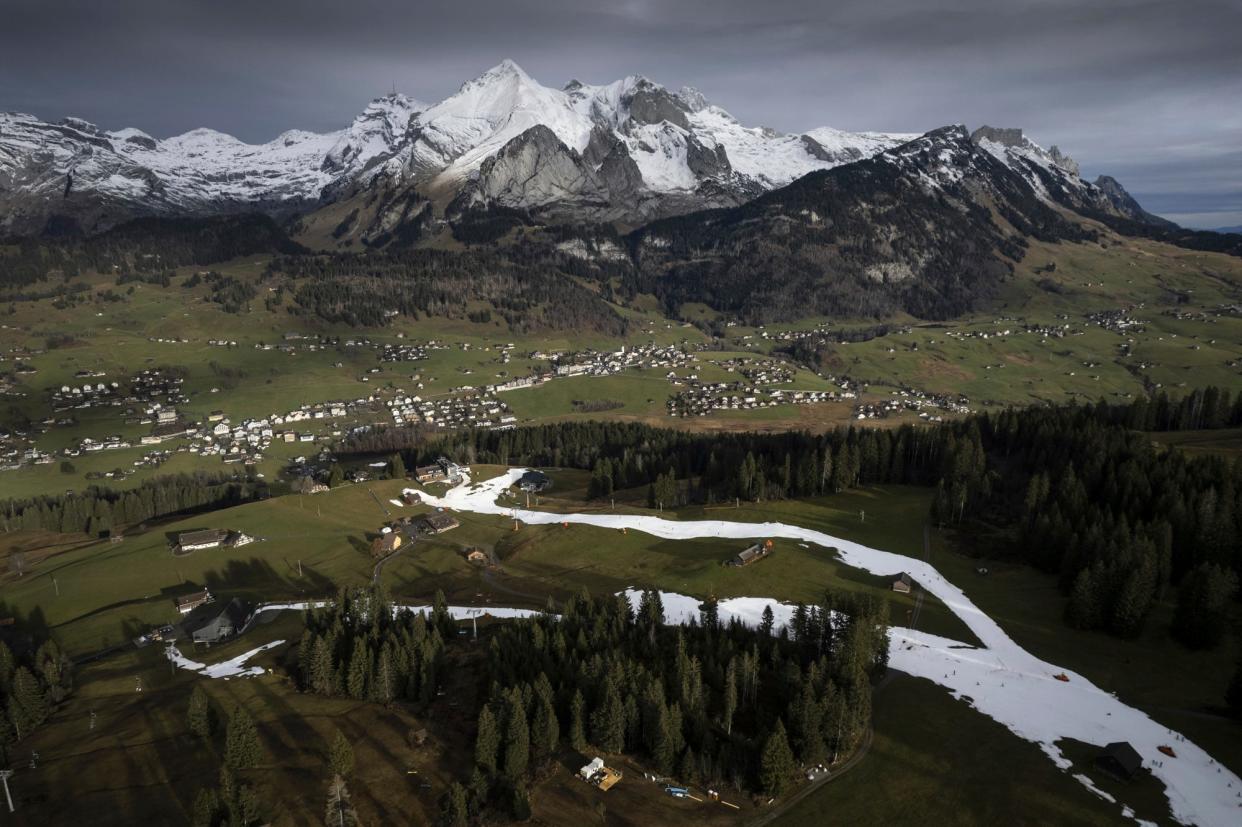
1146, 91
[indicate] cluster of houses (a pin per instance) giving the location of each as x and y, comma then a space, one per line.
403, 352
1118, 321
596, 363
472, 410
701, 399
759, 371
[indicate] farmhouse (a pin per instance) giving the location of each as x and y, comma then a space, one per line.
189, 541
1120, 759
439, 522
429, 473
308, 485
751, 554
213, 625
902, 583
478, 557
533, 482
206, 538
189, 602
385, 544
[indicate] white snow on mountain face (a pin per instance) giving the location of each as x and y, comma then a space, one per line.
678, 140
198, 172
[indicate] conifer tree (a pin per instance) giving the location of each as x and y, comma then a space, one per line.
608, 721
453, 812
241, 745
341, 755
200, 716
776, 763
487, 741
517, 741
577, 726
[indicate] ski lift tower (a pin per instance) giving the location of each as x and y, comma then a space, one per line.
4, 778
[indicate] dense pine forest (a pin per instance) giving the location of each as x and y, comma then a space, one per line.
707, 703
32, 684
527, 292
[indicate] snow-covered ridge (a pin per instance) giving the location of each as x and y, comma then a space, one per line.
678, 141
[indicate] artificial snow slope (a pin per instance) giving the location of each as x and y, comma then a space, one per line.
1001, 679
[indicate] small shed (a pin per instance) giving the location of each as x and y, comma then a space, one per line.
751, 554
1120, 760
902, 583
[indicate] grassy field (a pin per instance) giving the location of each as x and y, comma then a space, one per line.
1185, 340
937, 761
94, 595
140, 764
1225, 442
930, 752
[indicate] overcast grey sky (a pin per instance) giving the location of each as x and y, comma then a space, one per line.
1150, 92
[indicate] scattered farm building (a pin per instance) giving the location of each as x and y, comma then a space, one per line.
215, 624
385, 544
439, 522
599, 775
188, 541
429, 473
751, 554
535, 482
189, 602
1120, 759
479, 557
902, 583
308, 485
206, 538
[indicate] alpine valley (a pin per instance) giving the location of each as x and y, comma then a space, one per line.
582, 455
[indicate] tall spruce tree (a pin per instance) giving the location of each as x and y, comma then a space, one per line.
241, 745
200, 716
776, 762
487, 740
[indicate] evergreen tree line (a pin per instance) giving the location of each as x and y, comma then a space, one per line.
709, 467
710, 702
144, 246
1118, 520
30, 688
357, 647
98, 511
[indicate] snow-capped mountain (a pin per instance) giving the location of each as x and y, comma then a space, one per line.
74, 173
627, 151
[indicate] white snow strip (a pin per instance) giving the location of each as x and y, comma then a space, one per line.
1002, 680
234, 668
